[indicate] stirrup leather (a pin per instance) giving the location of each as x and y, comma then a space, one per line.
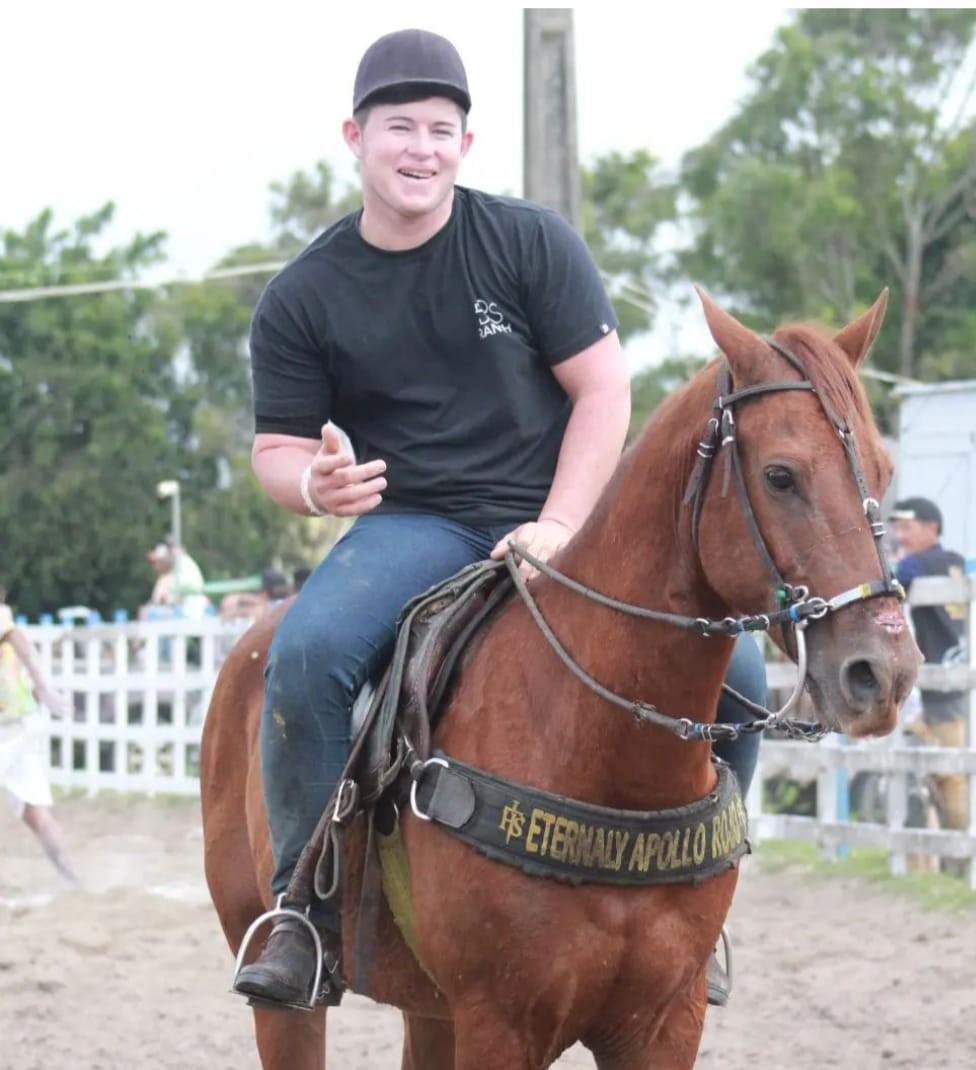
726, 967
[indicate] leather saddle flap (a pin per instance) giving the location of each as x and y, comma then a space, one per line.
433, 631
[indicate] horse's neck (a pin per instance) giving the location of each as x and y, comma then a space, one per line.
640, 552
542, 725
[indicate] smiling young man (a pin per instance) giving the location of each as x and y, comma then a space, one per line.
466, 345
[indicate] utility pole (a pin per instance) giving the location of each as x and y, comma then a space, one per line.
550, 151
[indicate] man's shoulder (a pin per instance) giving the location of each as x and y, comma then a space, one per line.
938, 561
933, 561
516, 212
6, 621
324, 253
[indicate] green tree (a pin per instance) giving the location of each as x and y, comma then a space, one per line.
625, 203
305, 204
85, 420
232, 526
849, 165
651, 386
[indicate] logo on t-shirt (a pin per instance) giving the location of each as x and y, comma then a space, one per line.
491, 320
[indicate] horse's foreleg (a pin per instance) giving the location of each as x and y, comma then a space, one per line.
670, 1045
486, 1040
290, 1040
428, 1044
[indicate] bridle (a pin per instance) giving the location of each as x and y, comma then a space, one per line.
720, 433
797, 608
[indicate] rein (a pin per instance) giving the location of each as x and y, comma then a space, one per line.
798, 607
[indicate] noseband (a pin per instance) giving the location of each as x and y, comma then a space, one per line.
797, 606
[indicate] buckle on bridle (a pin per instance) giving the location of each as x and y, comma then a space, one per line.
684, 728
821, 608
728, 427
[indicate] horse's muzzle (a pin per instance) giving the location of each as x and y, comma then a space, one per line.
861, 673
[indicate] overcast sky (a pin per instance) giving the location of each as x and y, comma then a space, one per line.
183, 113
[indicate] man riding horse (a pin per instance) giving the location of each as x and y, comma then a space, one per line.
466, 345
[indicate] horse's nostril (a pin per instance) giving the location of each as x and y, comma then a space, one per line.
862, 682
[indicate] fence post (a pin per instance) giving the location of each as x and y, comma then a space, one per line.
897, 809
754, 803
842, 794
93, 755
971, 734
150, 708
828, 793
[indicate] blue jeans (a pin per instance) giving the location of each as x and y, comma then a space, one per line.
338, 634
747, 675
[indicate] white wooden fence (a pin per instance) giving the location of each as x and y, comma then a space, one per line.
140, 691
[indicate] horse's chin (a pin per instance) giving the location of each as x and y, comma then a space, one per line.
832, 711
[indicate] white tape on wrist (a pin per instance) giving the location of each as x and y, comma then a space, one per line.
306, 495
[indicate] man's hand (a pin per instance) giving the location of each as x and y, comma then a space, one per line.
542, 538
339, 487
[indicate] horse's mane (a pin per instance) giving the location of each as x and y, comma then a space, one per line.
830, 370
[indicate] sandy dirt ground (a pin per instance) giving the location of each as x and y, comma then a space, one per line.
131, 973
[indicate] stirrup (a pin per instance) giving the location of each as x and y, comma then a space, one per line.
281, 911
723, 997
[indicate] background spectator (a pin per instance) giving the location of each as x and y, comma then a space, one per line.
274, 588
179, 583
23, 761
939, 632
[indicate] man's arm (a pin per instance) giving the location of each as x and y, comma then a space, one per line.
43, 692
598, 385
278, 462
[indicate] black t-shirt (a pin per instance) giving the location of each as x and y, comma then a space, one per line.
436, 359
938, 629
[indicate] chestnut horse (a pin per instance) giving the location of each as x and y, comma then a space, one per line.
516, 968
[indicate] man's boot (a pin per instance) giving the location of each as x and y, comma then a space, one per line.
283, 973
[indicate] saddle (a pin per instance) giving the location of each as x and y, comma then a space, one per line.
396, 714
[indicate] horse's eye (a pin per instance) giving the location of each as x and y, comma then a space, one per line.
780, 478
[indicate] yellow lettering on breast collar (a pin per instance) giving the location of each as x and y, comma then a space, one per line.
535, 827
557, 848
637, 855
599, 853
698, 844
585, 852
548, 819
572, 841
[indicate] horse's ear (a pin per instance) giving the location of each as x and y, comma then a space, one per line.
857, 337
743, 348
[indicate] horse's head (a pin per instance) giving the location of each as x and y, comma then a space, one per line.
793, 503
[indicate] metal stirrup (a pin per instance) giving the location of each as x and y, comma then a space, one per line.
280, 911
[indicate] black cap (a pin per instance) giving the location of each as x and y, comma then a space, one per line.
917, 509
414, 61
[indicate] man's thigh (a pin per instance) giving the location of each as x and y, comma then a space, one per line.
349, 605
